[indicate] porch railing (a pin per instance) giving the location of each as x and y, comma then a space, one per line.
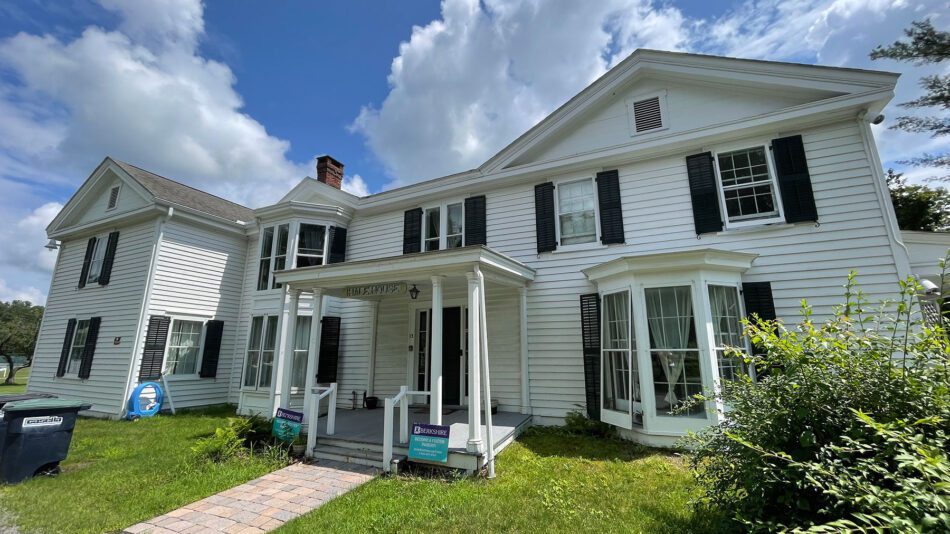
319, 393
403, 399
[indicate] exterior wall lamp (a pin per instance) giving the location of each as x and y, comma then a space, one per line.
414, 292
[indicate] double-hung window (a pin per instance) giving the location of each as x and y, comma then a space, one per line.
576, 210
184, 347
727, 328
259, 362
273, 255
443, 226
311, 245
95, 262
748, 185
77, 347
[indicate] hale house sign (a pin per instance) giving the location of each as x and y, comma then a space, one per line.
376, 290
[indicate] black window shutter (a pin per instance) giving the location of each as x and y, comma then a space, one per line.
67, 342
611, 211
412, 231
90, 247
758, 299
704, 193
329, 350
154, 354
590, 332
337, 245
89, 350
212, 348
475, 221
798, 199
107, 260
544, 217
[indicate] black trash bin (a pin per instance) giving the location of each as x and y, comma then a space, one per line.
35, 436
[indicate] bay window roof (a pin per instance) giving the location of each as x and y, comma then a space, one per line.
709, 259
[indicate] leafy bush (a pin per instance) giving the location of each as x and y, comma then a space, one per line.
577, 422
243, 436
845, 415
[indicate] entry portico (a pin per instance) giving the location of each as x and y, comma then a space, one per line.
441, 294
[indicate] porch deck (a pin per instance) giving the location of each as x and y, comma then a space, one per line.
363, 428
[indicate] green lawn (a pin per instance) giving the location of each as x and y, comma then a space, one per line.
19, 383
119, 473
547, 482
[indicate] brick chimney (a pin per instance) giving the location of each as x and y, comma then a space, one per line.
330, 171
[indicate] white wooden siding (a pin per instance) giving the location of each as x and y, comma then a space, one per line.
118, 304
128, 200
801, 261
198, 275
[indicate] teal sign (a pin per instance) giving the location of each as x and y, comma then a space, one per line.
287, 425
429, 443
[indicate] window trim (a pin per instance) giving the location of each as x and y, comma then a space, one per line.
620, 418
201, 345
257, 388
117, 196
746, 342
296, 226
766, 145
593, 244
74, 374
664, 112
443, 208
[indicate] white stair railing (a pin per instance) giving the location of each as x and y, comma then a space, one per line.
319, 393
390, 403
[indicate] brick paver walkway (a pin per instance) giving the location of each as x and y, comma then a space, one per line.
262, 504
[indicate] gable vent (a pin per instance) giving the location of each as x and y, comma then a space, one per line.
113, 197
646, 114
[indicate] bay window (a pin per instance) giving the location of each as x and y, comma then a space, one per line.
273, 255
620, 393
674, 350
259, 361
311, 245
727, 330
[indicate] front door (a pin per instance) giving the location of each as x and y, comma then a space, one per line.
452, 355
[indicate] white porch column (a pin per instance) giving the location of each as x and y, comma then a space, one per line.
371, 372
525, 384
285, 350
475, 443
313, 352
435, 380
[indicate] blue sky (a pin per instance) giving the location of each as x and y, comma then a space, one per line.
237, 97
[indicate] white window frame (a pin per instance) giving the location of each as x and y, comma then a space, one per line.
272, 256
201, 345
557, 214
70, 372
664, 112
117, 196
296, 242
443, 208
617, 417
98, 258
766, 145
260, 356
304, 353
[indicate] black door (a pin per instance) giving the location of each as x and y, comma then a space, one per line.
451, 355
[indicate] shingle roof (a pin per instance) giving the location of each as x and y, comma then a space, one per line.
183, 195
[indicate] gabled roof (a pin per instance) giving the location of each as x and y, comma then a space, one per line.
178, 193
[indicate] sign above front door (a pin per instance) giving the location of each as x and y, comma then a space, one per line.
382, 289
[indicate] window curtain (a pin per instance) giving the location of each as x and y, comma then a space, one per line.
670, 314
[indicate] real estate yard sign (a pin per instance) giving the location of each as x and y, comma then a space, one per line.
429, 443
287, 425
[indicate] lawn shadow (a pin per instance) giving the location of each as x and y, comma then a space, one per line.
559, 442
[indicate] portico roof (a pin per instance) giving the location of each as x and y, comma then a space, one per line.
334, 278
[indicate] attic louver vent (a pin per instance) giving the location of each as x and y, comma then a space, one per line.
646, 114
113, 197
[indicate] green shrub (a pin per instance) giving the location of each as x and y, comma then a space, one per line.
577, 422
221, 446
866, 387
242, 436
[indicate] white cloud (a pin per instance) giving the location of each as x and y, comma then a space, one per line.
29, 293
466, 84
356, 185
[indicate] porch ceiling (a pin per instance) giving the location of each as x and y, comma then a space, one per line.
421, 265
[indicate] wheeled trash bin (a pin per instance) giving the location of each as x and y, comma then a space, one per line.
35, 436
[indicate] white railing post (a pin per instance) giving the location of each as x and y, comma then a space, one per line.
331, 411
404, 415
312, 425
388, 436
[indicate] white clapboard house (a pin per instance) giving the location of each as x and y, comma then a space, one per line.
598, 263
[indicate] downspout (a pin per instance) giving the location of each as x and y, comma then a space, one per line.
146, 300
898, 249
